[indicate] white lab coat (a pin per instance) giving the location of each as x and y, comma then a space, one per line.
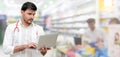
22, 36
93, 35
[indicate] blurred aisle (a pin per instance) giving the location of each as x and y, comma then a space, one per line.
1, 52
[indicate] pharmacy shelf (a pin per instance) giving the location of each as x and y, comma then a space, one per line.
69, 27
72, 19
107, 15
67, 33
83, 13
69, 22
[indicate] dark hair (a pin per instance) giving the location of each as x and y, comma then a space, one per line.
90, 20
115, 20
29, 5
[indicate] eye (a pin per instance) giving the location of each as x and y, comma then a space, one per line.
33, 14
30, 13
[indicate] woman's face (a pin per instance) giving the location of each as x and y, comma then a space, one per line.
116, 36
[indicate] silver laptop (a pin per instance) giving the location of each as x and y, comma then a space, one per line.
48, 40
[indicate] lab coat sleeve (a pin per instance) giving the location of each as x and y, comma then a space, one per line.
86, 36
7, 43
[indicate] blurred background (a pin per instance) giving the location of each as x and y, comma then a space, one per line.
68, 17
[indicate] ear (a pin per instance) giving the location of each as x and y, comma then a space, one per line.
22, 12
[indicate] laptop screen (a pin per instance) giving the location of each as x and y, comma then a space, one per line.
77, 40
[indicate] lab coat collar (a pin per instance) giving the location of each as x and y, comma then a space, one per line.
93, 30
